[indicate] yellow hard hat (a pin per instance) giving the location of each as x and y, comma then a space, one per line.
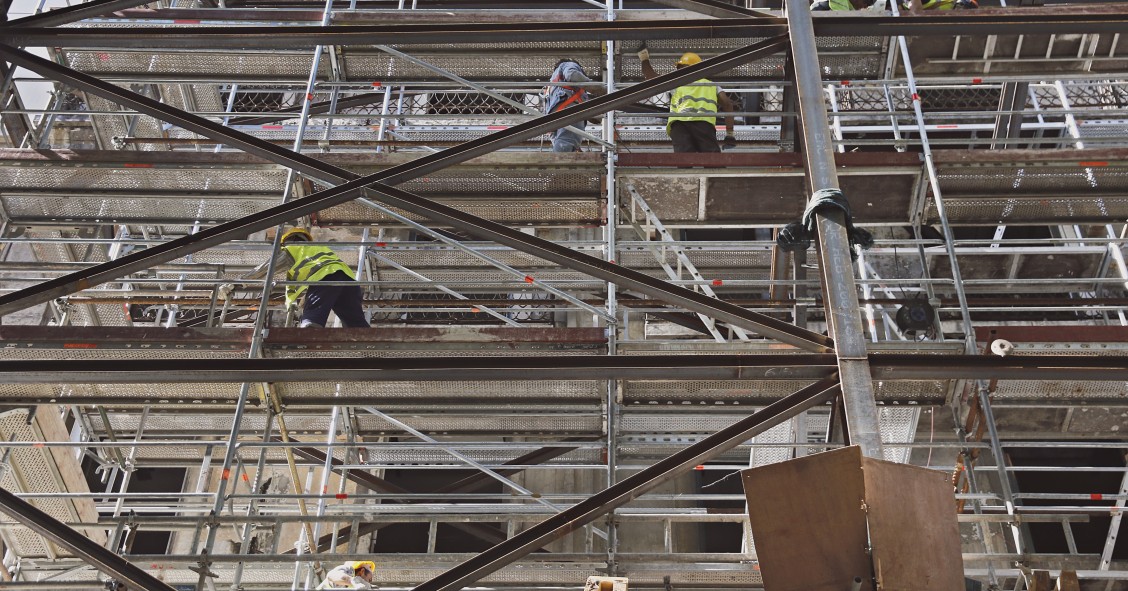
688, 59
296, 232
366, 564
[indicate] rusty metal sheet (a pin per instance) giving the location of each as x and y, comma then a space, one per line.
911, 513
807, 522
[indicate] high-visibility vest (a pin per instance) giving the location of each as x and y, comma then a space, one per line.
935, 4
698, 103
841, 5
311, 263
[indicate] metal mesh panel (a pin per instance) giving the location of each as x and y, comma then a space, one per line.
702, 259
562, 422
574, 390
573, 211
227, 64
1024, 180
1002, 210
126, 210
30, 471
898, 425
1063, 391
225, 181
762, 391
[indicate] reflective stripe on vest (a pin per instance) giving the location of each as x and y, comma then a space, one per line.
311, 263
698, 103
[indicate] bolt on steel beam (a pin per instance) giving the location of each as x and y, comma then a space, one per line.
353, 184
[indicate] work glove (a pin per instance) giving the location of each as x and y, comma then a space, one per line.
730, 142
224, 292
643, 53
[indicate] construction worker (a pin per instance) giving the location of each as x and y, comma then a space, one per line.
694, 127
841, 4
915, 5
559, 96
350, 575
306, 262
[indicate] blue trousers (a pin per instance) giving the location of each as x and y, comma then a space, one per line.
344, 300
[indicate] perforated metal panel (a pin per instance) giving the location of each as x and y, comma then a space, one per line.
1064, 391
538, 210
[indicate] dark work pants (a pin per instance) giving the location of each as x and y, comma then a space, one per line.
694, 136
345, 300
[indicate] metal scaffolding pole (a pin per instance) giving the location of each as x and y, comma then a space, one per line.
841, 297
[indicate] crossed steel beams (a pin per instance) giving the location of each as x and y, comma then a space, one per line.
1015, 22
506, 552
884, 366
354, 184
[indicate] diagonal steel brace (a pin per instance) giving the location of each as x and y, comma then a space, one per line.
353, 184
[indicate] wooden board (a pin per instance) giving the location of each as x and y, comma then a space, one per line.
807, 522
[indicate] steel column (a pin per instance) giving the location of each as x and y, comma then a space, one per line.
100, 558
630, 488
841, 293
764, 325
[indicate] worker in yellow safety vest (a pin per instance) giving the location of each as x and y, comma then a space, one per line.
303, 261
914, 5
841, 4
350, 575
693, 125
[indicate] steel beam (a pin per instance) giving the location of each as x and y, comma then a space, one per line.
689, 299
71, 14
882, 366
835, 257
630, 488
1024, 22
100, 558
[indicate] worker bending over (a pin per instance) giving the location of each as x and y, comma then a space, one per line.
561, 95
694, 127
306, 262
350, 575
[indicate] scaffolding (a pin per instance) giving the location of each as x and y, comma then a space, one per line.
572, 353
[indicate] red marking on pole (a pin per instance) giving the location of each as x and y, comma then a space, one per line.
105, 57
1089, 164
271, 127
947, 127
80, 346
474, 309
1096, 497
718, 283
496, 127
137, 165
977, 81
186, 21
528, 278
38, 444
245, 479
381, 244
309, 97
612, 261
845, 83
341, 496
376, 85
699, 467
226, 473
916, 97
